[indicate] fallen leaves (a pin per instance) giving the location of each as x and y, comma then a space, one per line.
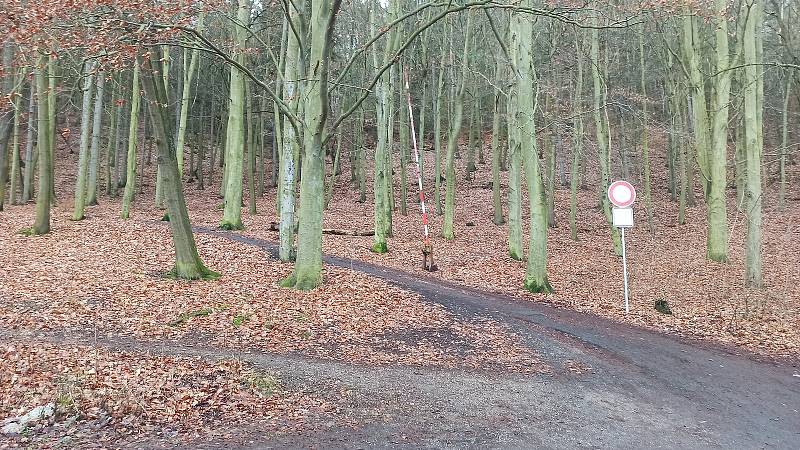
707, 299
115, 395
104, 274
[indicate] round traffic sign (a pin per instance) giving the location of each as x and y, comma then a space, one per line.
621, 194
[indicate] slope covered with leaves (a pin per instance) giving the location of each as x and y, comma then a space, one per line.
106, 275
103, 276
708, 300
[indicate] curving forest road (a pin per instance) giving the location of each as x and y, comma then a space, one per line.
611, 386
637, 389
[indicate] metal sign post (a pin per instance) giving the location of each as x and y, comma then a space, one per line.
622, 195
625, 271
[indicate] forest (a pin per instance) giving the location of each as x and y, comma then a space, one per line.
226, 211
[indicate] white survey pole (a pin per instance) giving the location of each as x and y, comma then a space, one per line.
622, 195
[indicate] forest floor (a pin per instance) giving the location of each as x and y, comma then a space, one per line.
708, 300
102, 277
598, 384
134, 359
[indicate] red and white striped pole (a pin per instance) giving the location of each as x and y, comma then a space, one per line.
416, 157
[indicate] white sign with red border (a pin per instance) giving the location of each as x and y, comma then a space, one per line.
621, 194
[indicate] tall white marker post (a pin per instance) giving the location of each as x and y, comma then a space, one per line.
622, 195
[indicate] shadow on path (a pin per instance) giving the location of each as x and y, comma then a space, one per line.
613, 385
638, 387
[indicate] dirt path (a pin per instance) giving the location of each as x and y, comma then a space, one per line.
612, 386
638, 388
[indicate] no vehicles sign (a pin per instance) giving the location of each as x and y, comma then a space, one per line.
622, 195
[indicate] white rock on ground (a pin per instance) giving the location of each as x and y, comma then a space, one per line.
15, 425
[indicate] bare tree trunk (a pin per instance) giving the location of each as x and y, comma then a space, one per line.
83, 155
472, 139
188, 76
522, 52
645, 138
601, 129
332, 183
307, 272
43, 198
784, 145
577, 138
94, 152
753, 132
404, 143
212, 144
111, 149
251, 151
51, 115
15, 158
30, 157
452, 141
515, 250
496, 198
133, 131
287, 178
383, 148
234, 146
361, 169
437, 141
202, 139
187, 261
6, 117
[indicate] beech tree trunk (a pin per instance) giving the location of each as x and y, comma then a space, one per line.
94, 152
188, 76
577, 138
784, 145
15, 157
30, 156
43, 197
452, 141
522, 53
648, 203
111, 148
187, 261
472, 141
383, 168
6, 117
602, 132
496, 198
711, 146
361, 169
289, 145
308, 265
251, 152
133, 129
753, 133
234, 147
437, 141
83, 155
51, 116
404, 144
515, 250
717, 241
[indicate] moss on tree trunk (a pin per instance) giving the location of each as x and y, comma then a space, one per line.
188, 264
133, 129
43, 198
